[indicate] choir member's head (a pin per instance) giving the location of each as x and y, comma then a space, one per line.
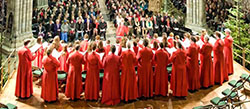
197, 38
203, 32
217, 35
227, 32
155, 45
108, 42
93, 46
26, 42
177, 37
155, 35
117, 41
100, 45
164, 41
162, 45
39, 40
65, 48
187, 35
49, 51
97, 37
171, 34
62, 41
76, 42
145, 42
135, 43
86, 36
77, 47
164, 34
57, 39
113, 48
123, 42
206, 38
193, 39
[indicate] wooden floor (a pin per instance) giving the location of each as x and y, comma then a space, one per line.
201, 97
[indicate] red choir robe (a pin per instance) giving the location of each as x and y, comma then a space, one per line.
170, 42
136, 49
49, 79
145, 72
107, 48
38, 60
161, 60
24, 81
111, 80
84, 45
202, 38
193, 67
179, 82
206, 67
129, 89
92, 83
228, 54
62, 59
218, 60
74, 77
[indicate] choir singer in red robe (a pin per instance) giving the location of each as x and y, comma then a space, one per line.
193, 65
129, 90
228, 52
92, 86
111, 80
145, 71
218, 60
206, 67
24, 83
161, 59
49, 78
74, 78
40, 51
179, 82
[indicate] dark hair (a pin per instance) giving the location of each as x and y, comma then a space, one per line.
49, 51
193, 39
161, 45
113, 48
93, 46
26, 42
77, 46
145, 42
134, 43
179, 45
217, 34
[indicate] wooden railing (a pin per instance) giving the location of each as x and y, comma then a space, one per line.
243, 56
7, 69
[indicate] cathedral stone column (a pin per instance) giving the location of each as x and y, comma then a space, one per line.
19, 17
196, 18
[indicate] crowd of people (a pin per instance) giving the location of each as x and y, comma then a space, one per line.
217, 13
150, 56
132, 18
69, 19
180, 5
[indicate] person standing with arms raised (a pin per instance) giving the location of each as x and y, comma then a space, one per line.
49, 78
111, 80
24, 81
145, 71
74, 78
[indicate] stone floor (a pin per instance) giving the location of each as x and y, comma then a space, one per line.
201, 97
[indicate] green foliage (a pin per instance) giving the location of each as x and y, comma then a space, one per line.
240, 32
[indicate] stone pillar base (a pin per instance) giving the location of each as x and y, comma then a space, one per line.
195, 28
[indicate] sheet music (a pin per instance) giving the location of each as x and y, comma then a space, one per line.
212, 40
56, 54
34, 48
171, 50
45, 44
